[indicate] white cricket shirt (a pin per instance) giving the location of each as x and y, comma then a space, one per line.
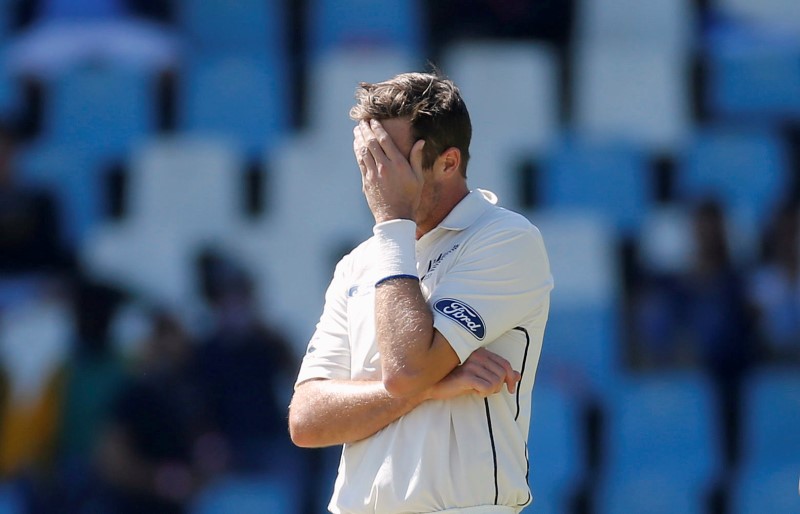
485, 274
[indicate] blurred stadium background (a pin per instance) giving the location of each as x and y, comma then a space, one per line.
176, 184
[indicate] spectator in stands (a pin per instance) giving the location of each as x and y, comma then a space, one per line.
35, 336
715, 301
30, 234
93, 376
144, 454
701, 316
775, 288
245, 370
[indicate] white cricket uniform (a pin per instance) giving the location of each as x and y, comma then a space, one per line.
485, 274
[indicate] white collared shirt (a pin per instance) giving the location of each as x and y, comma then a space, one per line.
485, 274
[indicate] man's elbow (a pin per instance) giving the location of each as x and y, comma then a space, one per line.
403, 384
301, 431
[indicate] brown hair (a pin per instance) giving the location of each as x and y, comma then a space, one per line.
432, 103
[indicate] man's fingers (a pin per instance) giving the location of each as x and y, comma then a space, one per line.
372, 142
500, 367
485, 382
489, 372
385, 142
364, 158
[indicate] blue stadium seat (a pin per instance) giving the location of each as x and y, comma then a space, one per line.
612, 179
754, 82
252, 28
581, 342
103, 110
777, 16
773, 490
522, 122
664, 426
555, 448
632, 89
648, 494
11, 101
770, 418
182, 194
237, 98
11, 500
664, 23
333, 24
248, 495
745, 168
187, 185
335, 78
59, 10
76, 178
582, 347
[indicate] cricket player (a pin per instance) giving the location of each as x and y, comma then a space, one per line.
423, 362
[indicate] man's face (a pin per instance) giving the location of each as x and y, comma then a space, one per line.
399, 129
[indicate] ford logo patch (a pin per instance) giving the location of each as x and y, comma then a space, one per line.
462, 314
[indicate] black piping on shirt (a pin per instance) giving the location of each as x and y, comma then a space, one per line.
494, 450
522, 375
524, 362
489, 420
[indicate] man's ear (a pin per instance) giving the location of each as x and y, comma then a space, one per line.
450, 160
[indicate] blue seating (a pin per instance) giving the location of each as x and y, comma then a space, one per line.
648, 494
58, 10
252, 28
237, 98
773, 490
10, 94
610, 178
755, 82
103, 110
333, 24
522, 121
745, 168
76, 178
661, 432
581, 342
11, 501
556, 449
248, 495
667, 421
632, 89
770, 418
780, 16
581, 347
767, 480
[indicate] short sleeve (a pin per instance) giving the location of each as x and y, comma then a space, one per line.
328, 352
500, 281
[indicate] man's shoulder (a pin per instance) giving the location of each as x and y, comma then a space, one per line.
355, 258
499, 219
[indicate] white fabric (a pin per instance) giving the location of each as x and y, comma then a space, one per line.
480, 259
396, 252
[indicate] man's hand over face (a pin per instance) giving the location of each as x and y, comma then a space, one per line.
391, 181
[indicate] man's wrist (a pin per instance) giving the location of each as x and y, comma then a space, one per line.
396, 253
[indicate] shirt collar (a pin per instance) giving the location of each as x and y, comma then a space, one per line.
469, 209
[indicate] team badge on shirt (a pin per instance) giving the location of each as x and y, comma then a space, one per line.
462, 314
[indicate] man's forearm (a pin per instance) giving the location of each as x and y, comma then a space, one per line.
414, 356
332, 412
403, 325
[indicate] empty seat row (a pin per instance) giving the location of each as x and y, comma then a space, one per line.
661, 446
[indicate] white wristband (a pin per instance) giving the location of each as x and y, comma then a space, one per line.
397, 252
